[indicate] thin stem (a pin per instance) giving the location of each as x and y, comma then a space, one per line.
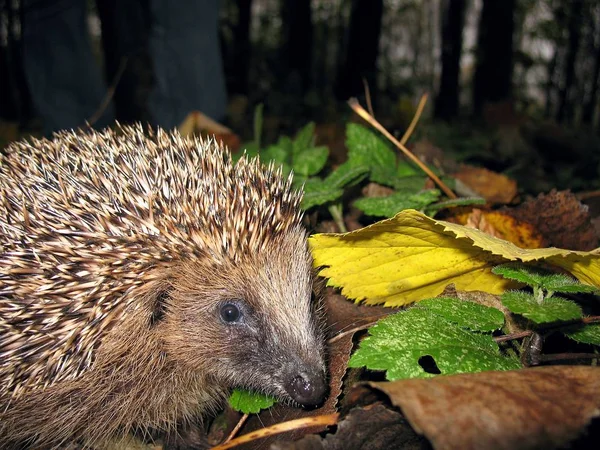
365, 115
338, 217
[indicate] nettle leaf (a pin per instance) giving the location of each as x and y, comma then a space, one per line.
407, 169
304, 139
310, 161
347, 174
412, 184
544, 279
318, 192
565, 284
248, 402
464, 313
552, 309
452, 203
392, 204
364, 147
397, 343
277, 152
587, 334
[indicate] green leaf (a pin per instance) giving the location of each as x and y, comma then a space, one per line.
587, 334
310, 161
408, 169
365, 148
464, 313
543, 279
393, 204
304, 139
462, 201
347, 174
250, 402
279, 152
317, 192
398, 342
552, 309
409, 185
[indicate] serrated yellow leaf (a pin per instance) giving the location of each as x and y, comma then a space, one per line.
411, 257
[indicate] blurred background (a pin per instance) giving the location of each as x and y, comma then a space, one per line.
526, 65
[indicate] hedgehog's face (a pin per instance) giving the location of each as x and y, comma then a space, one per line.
251, 324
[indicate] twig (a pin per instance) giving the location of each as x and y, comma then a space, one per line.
353, 102
109, 93
567, 356
510, 337
368, 97
236, 429
415, 120
306, 422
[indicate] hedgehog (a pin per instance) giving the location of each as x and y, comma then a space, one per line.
143, 275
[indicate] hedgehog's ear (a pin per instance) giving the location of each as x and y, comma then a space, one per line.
161, 298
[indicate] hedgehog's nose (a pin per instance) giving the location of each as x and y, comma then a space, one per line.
308, 389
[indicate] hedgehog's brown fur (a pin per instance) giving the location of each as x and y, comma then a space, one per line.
117, 250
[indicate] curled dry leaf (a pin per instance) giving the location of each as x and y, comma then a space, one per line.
560, 218
543, 407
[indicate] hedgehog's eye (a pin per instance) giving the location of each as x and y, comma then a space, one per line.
230, 313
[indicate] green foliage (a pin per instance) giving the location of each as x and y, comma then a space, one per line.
543, 282
453, 203
552, 309
455, 333
587, 334
248, 402
393, 204
466, 314
366, 148
369, 157
543, 306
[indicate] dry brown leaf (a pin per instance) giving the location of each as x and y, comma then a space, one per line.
502, 225
494, 187
197, 123
560, 218
543, 407
373, 427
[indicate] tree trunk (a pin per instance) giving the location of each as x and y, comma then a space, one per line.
494, 67
296, 51
127, 63
453, 21
241, 48
589, 105
363, 47
565, 101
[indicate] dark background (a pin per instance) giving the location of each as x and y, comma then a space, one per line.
481, 60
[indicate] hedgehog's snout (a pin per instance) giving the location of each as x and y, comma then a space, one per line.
307, 388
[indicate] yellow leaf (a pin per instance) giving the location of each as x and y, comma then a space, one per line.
411, 257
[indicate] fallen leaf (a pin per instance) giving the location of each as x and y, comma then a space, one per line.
503, 226
494, 187
560, 218
542, 407
197, 123
373, 427
411, 257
